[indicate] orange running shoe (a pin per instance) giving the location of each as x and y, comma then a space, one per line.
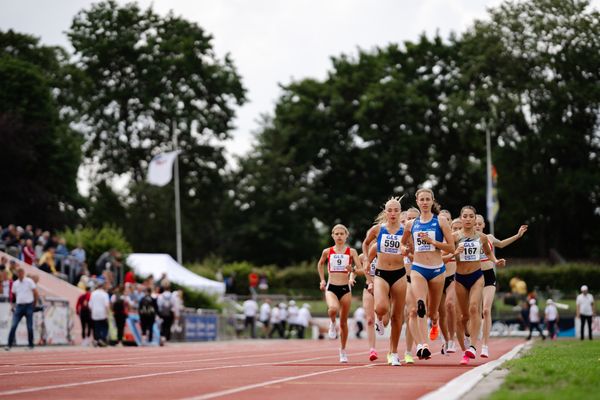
434, 332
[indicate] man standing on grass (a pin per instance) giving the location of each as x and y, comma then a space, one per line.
585, 310
100, 307
25, 295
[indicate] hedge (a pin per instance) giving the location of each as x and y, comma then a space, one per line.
565, 277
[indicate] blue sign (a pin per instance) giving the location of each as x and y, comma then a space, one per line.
200, 327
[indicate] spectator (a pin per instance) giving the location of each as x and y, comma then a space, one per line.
39, 248
147, 310
275, 322
85, 316
61, 253
283, 316
304, 318
3, 266
12, 270
551, 318
265, 316
534, 319
109, 261
585, 310
129, 277
77, 262
292, 318
524, 315
359, 317
29, 253
119, 302
250, 309
177, 309
25, 296
47, 263
166, 313
5, 283
100, 306
263, 283
253, 283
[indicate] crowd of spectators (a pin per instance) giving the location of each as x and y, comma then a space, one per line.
287, 320
148, 303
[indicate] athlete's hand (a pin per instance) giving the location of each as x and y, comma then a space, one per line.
322, 285
522, 230
501, 262
351, 282
370, 287
459, 249
425, 237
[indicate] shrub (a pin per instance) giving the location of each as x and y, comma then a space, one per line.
97, 241
566, 277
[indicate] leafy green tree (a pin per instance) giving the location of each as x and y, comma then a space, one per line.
39, 170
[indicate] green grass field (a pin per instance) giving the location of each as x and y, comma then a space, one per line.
567, 369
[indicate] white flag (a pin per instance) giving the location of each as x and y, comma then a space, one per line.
160, 171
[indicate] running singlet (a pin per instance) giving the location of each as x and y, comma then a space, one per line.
338, 262
472, 248
433, 230
388, 243
484, 256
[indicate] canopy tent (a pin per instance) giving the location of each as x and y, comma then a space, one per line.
146, 264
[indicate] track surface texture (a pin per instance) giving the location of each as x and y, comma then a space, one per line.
258, 369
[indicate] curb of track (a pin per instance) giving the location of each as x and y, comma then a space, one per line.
461, 385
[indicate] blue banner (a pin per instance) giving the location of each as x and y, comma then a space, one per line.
200, 327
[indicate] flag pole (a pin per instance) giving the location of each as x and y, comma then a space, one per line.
489, 193
177, 205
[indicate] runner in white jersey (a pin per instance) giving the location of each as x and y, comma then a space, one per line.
389, 280
339, 259
425, 237
489, 279
469, 280
450, 304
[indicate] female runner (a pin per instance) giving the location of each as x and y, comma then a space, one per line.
427, 273
337, 289
389, 285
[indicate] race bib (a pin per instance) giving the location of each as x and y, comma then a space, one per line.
471, 251
421, 245
390, 244
373, 267
339, 262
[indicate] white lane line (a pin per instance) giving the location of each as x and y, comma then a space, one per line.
271, 382
123, 378
74, 368
460, 385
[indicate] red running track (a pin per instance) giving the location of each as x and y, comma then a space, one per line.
261, 369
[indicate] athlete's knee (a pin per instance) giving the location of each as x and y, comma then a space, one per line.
333, 309
474, 309
381, 310
487, 313
370, 321
421, 308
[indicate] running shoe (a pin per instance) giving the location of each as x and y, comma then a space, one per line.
332, 333
373, 355
434, 332
451, 346
444, 350
426, 352
471, 352
464, 360
379, 328
389, 358
420, 351
343, 357
408, 358
395, 360
484, 352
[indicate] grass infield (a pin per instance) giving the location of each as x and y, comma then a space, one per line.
568, 369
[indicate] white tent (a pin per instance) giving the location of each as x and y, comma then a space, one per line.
146, 264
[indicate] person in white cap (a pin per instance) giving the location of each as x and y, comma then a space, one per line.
551, 318
534, 319
292, 318
585, 310
304, 318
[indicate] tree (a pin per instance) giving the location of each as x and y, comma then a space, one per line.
39, 170
531, 76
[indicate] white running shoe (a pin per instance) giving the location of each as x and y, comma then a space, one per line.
343, 357
451, 346
484, 352
395, 360
379, 328
332, 332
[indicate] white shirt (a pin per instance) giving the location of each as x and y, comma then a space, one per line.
98, 304
265, 312
293, 314
23, 290
283, 314
584, 302
534, 314
250, 308
304, 317
551, 312
275, 315
359, 314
